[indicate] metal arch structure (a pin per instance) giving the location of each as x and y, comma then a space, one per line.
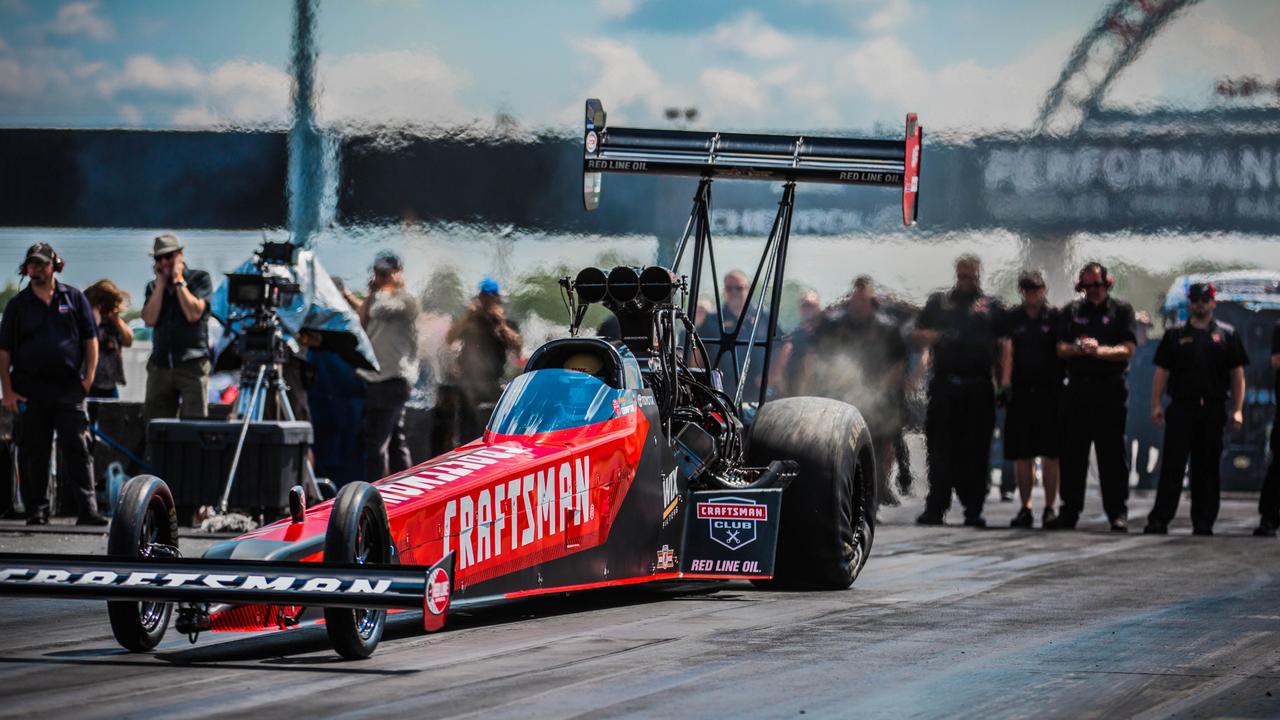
1118, 38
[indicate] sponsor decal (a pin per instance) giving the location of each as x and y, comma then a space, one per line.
745, 567
732, 521
438, 587
670, 497
593, 141
512, 514
402, 488
216, 581
623, 407
666, 558
1217, 338
646, 400
621, 165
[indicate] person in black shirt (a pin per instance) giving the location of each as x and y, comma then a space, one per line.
1269, 501
1201, 361
177, 308
858, 356
48, 357
488, 339
959, 327
1096, 339
1031, 377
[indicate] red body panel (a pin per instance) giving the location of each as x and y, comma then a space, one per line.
503, 503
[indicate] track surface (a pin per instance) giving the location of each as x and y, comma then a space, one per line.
943, 622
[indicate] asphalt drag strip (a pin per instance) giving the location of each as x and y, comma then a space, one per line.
944, 622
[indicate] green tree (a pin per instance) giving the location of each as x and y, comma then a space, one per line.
444, 293
6, 294
538, 292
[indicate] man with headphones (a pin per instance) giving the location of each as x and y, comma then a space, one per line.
1096, 339
48, 357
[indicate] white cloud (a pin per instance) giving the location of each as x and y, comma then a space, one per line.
146, 72
12, 80
891, 14
81, 18
750, 35
622, 76
617, 8
1182, 65
732, 95
403, 87
129, 114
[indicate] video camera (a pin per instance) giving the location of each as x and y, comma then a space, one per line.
260, 340
266, 290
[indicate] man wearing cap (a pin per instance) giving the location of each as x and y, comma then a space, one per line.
1201, 362
1096, 339
1031, 381
48, 357
389, 315
488, 339
176, 308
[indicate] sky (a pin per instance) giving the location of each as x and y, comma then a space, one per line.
744, 64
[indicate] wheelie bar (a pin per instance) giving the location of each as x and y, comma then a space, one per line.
237, 582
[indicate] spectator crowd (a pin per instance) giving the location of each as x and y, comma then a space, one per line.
1057, 375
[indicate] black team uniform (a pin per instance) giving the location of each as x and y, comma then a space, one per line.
1094, 406
1269, 501
1199, 364
1035, 390
962, 411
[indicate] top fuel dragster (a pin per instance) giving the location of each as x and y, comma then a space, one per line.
605, 463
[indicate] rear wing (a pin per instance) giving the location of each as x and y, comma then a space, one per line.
750, 156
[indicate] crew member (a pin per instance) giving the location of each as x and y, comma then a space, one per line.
176, 307
1269, 500
48, 357
1096, 339
858, 358
959, 327
1199, 361
389, 315
736, 316
1031, 381
488, 340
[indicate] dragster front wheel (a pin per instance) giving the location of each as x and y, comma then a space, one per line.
145, 524
358, 532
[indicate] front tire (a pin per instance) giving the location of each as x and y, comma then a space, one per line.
829, 510
358, 532
145, 524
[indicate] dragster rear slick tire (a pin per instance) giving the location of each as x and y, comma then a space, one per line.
358, 532
829, 510
144, 517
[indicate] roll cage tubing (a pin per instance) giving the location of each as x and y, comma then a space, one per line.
747, 156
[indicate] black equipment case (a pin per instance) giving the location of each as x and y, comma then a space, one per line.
194, 457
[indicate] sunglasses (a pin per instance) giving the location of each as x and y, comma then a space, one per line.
1092, 285
1029, 287
1199, 300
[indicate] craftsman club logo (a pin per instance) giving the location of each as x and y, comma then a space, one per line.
438, 591
732, 520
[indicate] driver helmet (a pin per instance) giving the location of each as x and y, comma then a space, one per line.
588, 363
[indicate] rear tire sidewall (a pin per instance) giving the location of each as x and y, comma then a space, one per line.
140, 496
828, 510
351, 638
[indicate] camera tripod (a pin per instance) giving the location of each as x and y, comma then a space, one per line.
250, 406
